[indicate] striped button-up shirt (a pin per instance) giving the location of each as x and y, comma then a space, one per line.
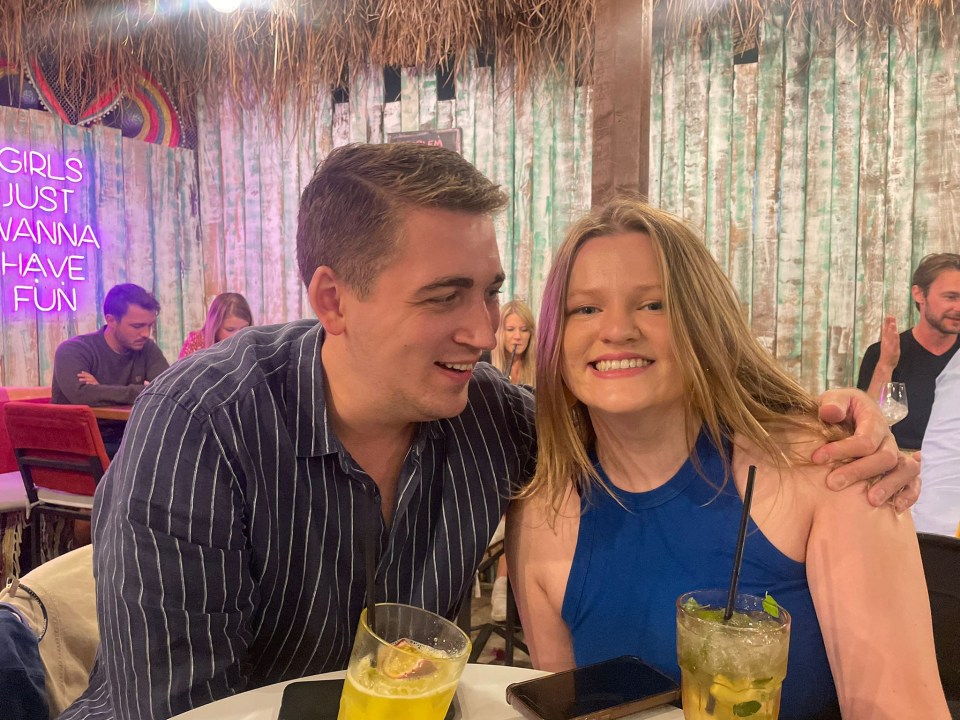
228, 530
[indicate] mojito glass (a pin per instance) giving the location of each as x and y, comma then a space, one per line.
735, 669
408, 669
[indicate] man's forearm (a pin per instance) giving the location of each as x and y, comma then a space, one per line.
84, 394
882, 374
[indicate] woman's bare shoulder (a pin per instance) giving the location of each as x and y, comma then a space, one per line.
538, 514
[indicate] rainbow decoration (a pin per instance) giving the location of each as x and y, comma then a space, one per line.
161, 124
83, 111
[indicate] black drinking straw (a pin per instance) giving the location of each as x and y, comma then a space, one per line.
741, 539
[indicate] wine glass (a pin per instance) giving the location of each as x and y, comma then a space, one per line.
893, 402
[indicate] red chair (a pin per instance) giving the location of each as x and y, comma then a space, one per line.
61, 457
13, 498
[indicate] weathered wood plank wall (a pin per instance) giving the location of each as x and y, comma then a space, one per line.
536, 145
820, 174
141, 202
828, 170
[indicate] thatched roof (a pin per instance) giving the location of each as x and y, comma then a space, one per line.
277, 49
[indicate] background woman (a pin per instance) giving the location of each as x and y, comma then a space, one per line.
516, 339
517, 330
653, 399
229, 313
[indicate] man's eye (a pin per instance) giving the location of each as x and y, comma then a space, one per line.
444, 300
494, 293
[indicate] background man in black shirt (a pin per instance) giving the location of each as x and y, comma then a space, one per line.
918, 355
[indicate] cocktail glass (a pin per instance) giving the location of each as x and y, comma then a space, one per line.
732, 669
408, 669
893, 402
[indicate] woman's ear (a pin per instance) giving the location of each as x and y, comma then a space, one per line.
325, 292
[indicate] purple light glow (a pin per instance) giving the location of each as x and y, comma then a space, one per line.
40, 246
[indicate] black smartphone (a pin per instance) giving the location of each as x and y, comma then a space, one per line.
609, 689
320, 700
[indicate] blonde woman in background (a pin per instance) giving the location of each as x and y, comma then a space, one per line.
516, 340
229, 314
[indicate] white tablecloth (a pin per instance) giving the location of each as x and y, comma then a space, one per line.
482, 694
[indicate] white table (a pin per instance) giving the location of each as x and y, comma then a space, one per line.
482, 694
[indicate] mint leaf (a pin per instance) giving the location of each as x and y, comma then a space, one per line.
746, 709
770, 606
691, 605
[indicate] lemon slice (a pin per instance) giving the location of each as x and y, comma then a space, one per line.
406, 665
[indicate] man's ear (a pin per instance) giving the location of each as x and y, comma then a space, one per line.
111, 320
917, 294
325, 292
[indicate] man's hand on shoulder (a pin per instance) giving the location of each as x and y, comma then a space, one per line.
870, 454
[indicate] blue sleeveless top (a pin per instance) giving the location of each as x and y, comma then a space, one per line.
629, 568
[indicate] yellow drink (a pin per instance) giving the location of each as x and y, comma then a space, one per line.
369, 695
734, 669
410, 674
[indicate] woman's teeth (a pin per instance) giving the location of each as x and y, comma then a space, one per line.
605, 365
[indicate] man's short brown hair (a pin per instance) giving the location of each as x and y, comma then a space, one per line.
930, 268
351, 212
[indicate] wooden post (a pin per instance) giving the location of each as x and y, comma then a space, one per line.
621, 98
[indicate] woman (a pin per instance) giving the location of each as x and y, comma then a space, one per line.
516, 347
229, 314
515, 340
653, 399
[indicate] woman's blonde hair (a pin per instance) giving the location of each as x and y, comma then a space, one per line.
223, 306
528, 360
731, 385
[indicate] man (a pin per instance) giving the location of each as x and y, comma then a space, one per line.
918, 355
938, 511
229, 532
113, 365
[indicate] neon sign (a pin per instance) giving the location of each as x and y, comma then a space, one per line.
43, 250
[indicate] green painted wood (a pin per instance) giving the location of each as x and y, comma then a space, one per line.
272, 249
542, 191
465, 108
937, 183
793, 178
901, 171
841, 362
523, 201
502, 121
409, 99
770, 101
719, 166
817, 213
583, 150
672, 129
695, 150
427, 96
255, 144
743, 131
656, 121
872, 59
211, 193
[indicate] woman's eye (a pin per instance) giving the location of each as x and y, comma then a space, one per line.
583, 310
656, 306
